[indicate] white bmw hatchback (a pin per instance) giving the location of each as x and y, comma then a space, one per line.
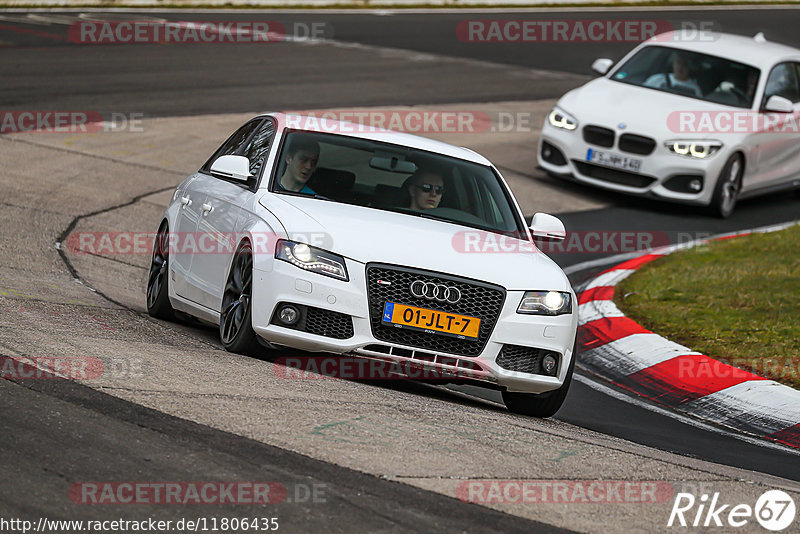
701, 119
329, 236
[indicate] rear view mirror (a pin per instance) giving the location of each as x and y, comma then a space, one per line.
548, 227
386, 161
232, 167
601, 65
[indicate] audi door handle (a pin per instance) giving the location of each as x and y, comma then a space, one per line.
207, 208
186, 201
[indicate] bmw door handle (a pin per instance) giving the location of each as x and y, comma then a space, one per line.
207, 208
186, 201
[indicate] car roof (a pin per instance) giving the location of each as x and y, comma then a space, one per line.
750, 50
310, 123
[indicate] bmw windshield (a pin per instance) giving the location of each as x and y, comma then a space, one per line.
395, 178
700, 76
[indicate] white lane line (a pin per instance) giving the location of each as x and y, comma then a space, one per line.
610, 278
600, 262
756, 404
597, 309
597, 386
625, 356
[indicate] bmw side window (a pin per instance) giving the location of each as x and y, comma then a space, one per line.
234, 144
258, 147
782, 81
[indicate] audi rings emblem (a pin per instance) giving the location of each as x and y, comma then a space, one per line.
434, 291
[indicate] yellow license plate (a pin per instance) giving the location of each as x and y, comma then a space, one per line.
432, 321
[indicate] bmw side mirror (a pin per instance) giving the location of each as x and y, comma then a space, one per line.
602, 65
779, 104
232, 168
548, 227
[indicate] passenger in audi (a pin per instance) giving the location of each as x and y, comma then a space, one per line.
424, 189
302, 156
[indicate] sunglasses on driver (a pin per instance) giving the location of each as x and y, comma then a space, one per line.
427, 188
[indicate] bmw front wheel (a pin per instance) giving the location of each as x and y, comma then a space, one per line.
728, 186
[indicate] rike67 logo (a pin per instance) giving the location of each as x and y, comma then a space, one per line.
774, 510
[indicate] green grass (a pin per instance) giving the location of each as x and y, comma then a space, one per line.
736, 300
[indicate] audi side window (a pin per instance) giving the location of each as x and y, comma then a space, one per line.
234, 144
258, 147
782, 81
797, 70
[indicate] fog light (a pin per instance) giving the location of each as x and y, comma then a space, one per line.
695, 185
289, 315
549, 364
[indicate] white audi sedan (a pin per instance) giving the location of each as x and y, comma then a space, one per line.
695, 118
334, 237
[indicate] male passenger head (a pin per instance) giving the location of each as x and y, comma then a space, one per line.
301, 157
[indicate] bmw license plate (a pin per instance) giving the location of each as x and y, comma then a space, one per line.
609, 159
431, 321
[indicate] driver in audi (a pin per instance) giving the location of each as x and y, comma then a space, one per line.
423, 190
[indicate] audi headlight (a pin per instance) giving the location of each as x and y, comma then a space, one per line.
693, 149
560, 119
311, 259
545, 303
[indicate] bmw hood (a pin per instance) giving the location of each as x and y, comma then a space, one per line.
628, 108
371, 235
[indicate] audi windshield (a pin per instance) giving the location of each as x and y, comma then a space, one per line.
395, 178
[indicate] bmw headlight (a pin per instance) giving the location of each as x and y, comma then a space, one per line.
693, 149
560, 119
545, 303
311, 259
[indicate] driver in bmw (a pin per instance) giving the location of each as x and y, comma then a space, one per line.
677, 79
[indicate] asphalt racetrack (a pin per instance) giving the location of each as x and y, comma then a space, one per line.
179, 408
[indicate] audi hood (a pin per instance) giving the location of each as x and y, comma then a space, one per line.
373, 235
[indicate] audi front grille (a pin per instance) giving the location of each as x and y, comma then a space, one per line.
477, 299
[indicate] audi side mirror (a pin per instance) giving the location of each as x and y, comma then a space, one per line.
232, 168
779, 104
548, 227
